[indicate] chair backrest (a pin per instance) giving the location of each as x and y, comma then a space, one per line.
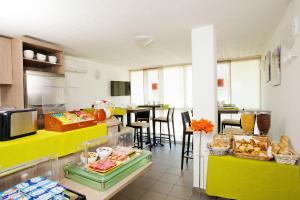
186, 120
143, 116
170, 114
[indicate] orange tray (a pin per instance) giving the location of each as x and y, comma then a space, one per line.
53, 124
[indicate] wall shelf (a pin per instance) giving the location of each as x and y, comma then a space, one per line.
34, 62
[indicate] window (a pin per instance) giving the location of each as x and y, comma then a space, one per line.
152, 83
174, 86
169, 85
137, 87
188, 87
223, 86
245, 84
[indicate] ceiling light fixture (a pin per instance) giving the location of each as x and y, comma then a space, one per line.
144, 40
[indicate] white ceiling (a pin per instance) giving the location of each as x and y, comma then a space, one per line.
104, 30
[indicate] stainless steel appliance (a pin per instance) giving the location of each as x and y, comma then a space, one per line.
45, 92
17, 123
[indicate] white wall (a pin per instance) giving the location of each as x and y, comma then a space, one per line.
284, 100
85, 88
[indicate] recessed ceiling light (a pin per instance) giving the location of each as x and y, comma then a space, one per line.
144, 40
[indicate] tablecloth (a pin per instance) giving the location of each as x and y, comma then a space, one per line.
46, 143
245, 179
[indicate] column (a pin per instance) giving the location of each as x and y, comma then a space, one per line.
204, 93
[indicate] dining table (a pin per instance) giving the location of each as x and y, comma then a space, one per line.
225, 110
153, 107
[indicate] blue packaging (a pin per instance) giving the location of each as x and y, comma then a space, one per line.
36, 193
35, 180
23, 185
58, 190
43, 182
8, 192
50, 185
44, 196
17, 196
29, 189
59, 197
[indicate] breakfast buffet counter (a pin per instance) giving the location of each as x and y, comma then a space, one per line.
237, 178
45, 143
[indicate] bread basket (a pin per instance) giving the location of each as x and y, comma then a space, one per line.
288, 159
217, 151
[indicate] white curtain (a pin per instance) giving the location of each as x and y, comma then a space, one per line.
174, 86
137, 87
223, 74
245, 84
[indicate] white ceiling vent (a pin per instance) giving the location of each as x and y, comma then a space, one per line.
144, 40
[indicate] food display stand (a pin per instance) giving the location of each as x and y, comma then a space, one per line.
80, 176
77, 172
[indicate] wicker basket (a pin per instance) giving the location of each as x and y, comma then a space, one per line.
287, 159
217, 151
248, 155
253, 157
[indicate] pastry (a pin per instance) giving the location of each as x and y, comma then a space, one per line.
275, 148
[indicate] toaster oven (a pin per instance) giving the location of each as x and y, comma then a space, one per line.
17, 123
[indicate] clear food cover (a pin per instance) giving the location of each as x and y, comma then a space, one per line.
105, 161
46, 167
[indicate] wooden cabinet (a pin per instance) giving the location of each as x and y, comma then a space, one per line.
5, 61
13, 94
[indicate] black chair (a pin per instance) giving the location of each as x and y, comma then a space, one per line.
187, 131
168, 119
142, 122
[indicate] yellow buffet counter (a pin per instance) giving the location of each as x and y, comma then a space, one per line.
45, 143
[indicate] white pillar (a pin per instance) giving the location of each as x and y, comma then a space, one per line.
204, 92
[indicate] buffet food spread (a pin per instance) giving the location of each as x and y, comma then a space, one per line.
253, 147
72, 117
67, 121
109, 158
111, 166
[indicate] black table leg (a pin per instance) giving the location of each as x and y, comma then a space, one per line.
153, 126
219, 122
128, 119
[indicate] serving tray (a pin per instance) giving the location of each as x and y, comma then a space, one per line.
78, 172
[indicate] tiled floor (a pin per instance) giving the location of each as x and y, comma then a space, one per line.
164, 181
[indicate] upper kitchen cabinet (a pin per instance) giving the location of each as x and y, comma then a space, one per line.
5, 61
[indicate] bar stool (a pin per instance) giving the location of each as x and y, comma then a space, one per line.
169, 119
231, 122
187, 131
142, 122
